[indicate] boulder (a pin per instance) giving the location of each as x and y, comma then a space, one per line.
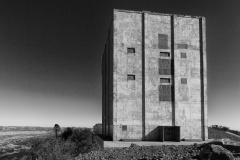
134, 145
217, 142
213, 152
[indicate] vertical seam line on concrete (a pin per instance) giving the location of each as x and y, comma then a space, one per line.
105, 97
202, 78
104, 82
103, 91
143, 75
172, 68
113, 76
109, 89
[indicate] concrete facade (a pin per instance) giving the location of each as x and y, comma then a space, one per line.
154, 74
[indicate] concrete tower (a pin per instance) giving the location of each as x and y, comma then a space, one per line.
154, 77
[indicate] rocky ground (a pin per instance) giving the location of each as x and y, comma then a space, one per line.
165, 152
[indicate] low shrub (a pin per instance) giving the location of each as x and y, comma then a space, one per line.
71, 143
83, 140
67, 133
221, 128
51, 148
97, 128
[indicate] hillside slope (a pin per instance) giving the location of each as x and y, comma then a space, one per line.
217, 134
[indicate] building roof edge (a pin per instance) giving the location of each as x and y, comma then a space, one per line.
164, 14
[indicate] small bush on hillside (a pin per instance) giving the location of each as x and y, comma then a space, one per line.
97, 128
67, 133
56, 130
221, 128
83, 140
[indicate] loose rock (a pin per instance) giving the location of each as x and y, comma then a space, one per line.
213, 152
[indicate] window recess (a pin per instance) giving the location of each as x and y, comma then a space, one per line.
164, 54
165, 92
162, 41
165, 80
131, 50
183, 80
130, 77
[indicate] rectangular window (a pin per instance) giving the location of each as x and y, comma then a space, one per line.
162, 41
164, 54
165, 80
165, 92
182, 46
165, 66
124, 127
183, 55
130, 50
183, 80
130, 77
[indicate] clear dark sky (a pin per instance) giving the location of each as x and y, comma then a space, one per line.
50, 58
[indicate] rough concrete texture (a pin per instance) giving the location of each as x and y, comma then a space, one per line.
187, 96
157, 113
136, 103
110, 144
127, 102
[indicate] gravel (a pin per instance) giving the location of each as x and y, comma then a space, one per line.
164, 152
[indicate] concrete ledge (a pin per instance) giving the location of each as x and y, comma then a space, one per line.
131, 140
193, 140
110, 144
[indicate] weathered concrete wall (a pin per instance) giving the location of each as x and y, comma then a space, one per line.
127, 102
136, 103
187, 96
157, 113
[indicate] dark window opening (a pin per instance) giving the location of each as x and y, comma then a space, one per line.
183, 55
130, 50
162, 41
165, 92
124, 127
164, 80
164, 54
130, 77
165, 66
183, 80
165, 71
182, 46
